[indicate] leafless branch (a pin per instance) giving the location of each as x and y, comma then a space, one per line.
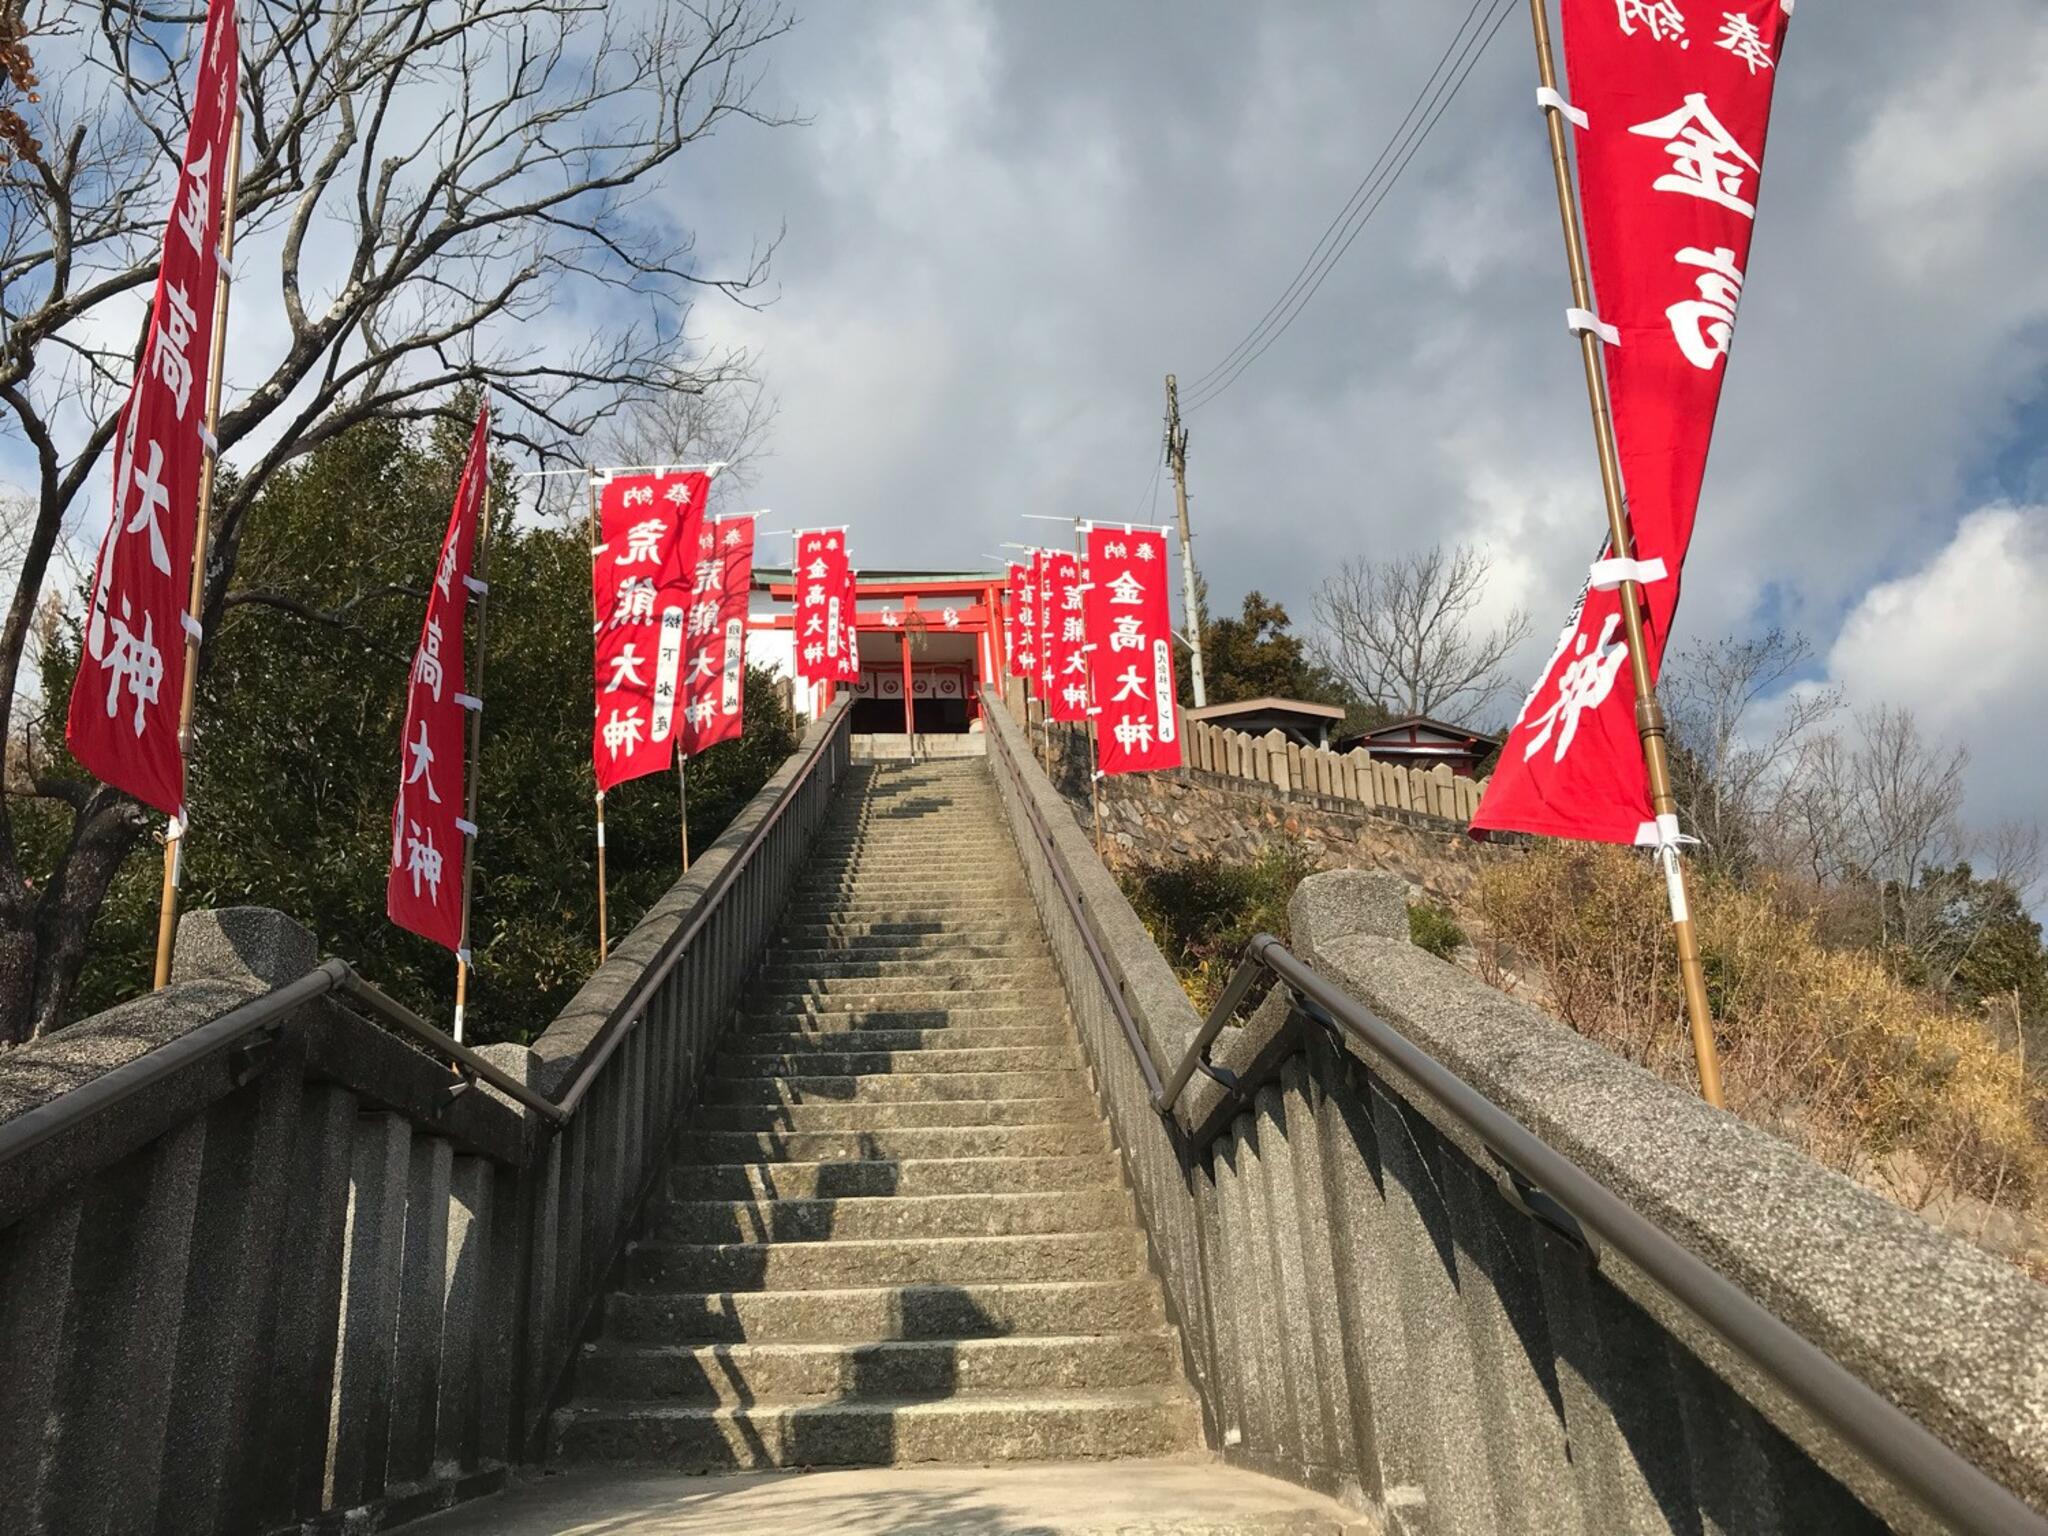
1403, 634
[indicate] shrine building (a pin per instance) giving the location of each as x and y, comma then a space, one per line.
929, 641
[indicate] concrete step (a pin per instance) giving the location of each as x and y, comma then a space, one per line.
850, 1146
868, 1313
859, 913
898, 1000
736, 1083
1017, 944
953, 907
911, 893
979, 1427
740, 1060
891, 1216
981, 1037
938, 973
908, 1177
882, 1261
1164, 1496
965, 854
883, 931
885, 1115
736, 1374
790, 1014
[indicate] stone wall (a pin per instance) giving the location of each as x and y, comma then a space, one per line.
1164, 818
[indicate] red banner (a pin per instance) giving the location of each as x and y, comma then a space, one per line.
1676, 100
1019, 620
715, 684
1024, 619
1066, 640
848, 663
423, 888
123, 721
1130, 651
1042, 568
641, 574
824, 587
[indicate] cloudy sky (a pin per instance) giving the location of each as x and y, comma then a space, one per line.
1006, 222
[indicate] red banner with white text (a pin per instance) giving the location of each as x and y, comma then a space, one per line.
1130, 655
641, 574
423, 888
1042, 568
715, 683
123, 720
1020, 620
1066, 639
848, 662
823, 583
1676, 99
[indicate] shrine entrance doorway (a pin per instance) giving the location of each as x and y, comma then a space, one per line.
937, 669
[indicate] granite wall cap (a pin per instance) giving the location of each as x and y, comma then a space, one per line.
237, 943
1348, 902
518, 1063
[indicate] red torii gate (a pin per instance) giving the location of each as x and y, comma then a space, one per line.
907, 603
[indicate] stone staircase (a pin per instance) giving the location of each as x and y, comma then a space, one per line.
896, 1231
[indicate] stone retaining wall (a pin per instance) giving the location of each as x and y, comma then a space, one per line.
1154, 819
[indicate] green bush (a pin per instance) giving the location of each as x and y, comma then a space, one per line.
1203, 912
1434, 929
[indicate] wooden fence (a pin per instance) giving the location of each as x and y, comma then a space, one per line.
1356, 775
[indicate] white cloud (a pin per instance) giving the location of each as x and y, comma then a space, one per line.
1963, 642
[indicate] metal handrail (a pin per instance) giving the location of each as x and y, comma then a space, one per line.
264, 1015
259, 1016
1930, 1471
1076, 906
628, 1015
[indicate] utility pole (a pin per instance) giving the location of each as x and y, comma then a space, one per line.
1177, 456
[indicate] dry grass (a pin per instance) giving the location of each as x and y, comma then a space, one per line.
1820, 1045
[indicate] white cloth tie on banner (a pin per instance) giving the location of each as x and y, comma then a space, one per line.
1664, 836
478, 587
466, 958
1547, 98
192, 627
466, 828
1606, 575
469, 701
1579, 321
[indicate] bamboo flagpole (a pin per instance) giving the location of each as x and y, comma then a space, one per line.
482, 588
597, 618
174, 838
1650, 724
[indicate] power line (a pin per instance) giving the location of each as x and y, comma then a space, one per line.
1152, 493
1343, 214
1445, 94
1439, 104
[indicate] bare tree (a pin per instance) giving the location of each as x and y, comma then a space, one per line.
729, 425
1726, 770
424, 180
1879, 818
1401, 633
